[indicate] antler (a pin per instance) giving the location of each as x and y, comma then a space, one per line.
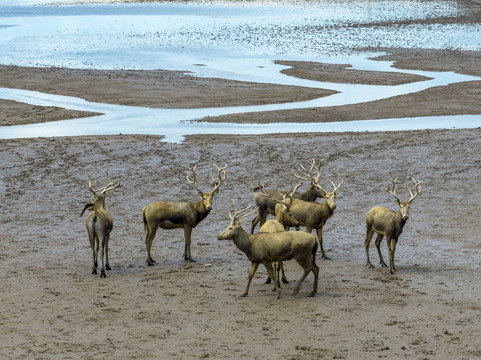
194, 181
341, 181
222, 175
236, 215
393, 191
307, 174
416, 185
110, 185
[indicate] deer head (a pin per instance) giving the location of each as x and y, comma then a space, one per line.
307, 175
404, 205
207, 197
282, 208
235, 222
99, 194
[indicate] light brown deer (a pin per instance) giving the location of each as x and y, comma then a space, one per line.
99, 224
180, 214
266, 205
388, 223
281, 223
313, 215
265, 248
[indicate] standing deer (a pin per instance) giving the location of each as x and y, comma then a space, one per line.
180, 214
99, 223
313, 215
386, 222
281, 223
266, 205
265, 248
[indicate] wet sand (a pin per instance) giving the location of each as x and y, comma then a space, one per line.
53, 308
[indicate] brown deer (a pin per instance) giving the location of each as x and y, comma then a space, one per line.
265, 248
313, 215
266, 205
180, 214
283, 221
388, 223
99, 223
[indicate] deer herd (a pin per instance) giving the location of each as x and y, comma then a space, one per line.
273, 243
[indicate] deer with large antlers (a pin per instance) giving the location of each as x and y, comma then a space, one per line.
266, 204
99, 223
313, 215
389, 223
265, 248
180, 214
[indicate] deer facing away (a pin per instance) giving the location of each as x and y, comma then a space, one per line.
265, 248
388, 223
180, 214
99, 224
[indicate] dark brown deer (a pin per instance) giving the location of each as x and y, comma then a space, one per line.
266, 205
265, 248
180, 214
389, 223
313, 215
99, 224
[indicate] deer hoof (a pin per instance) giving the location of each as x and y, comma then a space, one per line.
285, 281
94, 272
102, 274
268, 281
108, 267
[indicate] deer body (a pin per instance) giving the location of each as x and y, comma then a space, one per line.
179, 214
99, 225
265, 248
388, 223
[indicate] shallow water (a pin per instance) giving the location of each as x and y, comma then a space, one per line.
237, 41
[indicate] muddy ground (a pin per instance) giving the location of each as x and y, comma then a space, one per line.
53, 308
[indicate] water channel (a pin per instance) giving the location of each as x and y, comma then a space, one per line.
237, 41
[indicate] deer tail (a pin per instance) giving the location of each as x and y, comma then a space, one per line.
144, 219
89, 207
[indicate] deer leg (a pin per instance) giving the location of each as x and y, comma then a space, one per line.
390, 247
299, 283
187, 235
392, 268
92, 246
284, 278
96, 263
272, 275
319, 236
102, 269
149, 238
260, 215
107, 265
252, 271
369, 234
378, 247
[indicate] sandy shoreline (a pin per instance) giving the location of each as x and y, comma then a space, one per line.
53, 308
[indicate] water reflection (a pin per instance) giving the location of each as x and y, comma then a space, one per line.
231, 41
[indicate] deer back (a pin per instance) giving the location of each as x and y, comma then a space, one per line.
264, 202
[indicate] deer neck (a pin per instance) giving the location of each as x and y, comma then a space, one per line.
243, 241
200, 210
309, 194
398, 223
